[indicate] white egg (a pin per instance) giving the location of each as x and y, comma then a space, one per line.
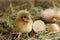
39, 26
53, 28
47, 14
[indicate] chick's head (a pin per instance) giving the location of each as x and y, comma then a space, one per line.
23, 16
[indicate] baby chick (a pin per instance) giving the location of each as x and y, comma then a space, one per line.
23, 22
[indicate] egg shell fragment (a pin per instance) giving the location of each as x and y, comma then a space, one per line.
47, 14
57, 14
39, 26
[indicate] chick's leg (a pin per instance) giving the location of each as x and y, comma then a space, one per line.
18, 36
27, 35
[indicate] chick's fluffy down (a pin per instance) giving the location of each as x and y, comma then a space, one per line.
23, 22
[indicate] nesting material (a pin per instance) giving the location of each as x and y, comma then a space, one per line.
53, 28
57, 14
39, 26
48, 14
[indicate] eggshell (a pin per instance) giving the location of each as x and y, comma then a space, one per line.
47, 14
38, 26
57, 14
53, 28
51, 20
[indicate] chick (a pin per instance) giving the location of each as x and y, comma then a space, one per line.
23, 22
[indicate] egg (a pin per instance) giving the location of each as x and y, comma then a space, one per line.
38, 26
57, 14
47, 14
53, 28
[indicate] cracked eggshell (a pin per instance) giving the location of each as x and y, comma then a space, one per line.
47, 14
39, 26
53, 28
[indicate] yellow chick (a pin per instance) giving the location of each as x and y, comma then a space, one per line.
23, 22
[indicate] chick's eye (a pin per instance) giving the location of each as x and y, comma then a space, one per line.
24, 16
21, 17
